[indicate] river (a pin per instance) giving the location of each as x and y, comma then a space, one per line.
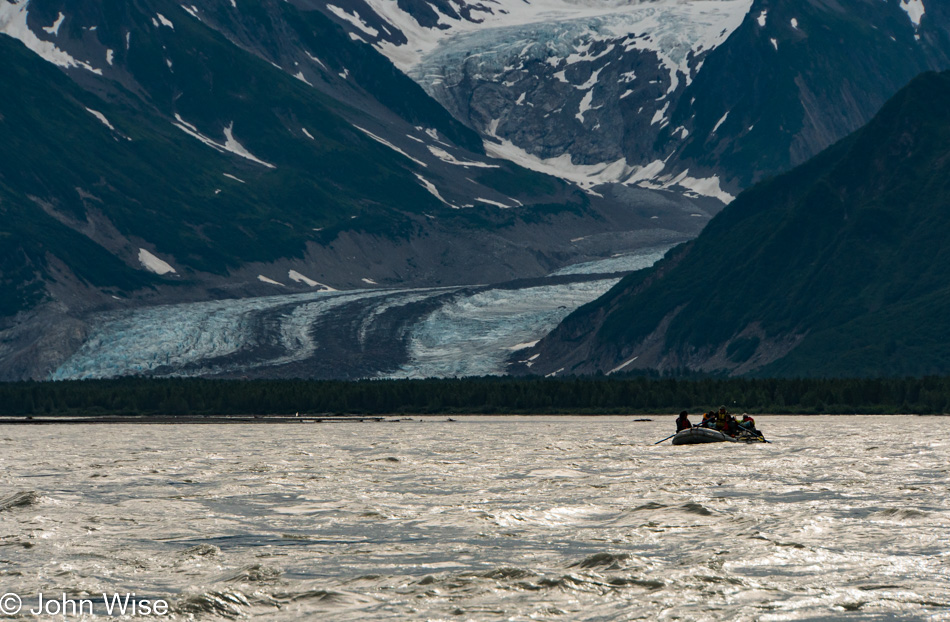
483, 518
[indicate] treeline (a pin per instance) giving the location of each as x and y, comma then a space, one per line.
601, 395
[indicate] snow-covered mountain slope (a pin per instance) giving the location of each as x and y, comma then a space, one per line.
704, 96
549, 82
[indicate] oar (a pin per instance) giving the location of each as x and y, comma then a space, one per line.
667, 438
756, 432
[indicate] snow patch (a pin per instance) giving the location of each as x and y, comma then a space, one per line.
660, 115
316, 60
794, 23
237, 148
165, 21
622, 365
154, 264
591, 81
584, 175
720, 122
13, 22
192, 10
307, 134
383, 141
428, 185
774, 44
433, 133
54, 29
914, 10
445, 156
523, 345
645, 173
585, 105
299, 75
230, 176
495, 203
102, 118
299, 278
369, 281
650, 177
354, 19
264, 279
230, 145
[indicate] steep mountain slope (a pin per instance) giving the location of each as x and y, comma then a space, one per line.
706, 96
838, 267
797, 76
154, 153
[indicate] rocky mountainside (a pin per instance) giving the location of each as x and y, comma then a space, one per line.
838, 267
152, 152
706, 96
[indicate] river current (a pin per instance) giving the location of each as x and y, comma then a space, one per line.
483, 518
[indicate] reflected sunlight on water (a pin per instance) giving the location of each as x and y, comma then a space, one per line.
560, 518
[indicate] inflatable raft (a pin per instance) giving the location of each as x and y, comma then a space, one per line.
695, 436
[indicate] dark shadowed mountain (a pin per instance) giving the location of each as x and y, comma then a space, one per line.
839, 267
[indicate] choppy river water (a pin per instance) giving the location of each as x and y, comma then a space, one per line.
541, 518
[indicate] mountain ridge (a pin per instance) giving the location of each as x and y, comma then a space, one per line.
834, 268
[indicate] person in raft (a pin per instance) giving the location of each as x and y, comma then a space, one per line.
748, 423
732, 426
682, 422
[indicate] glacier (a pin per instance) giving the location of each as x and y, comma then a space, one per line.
474, 335
369, 333
670, 24
510, 49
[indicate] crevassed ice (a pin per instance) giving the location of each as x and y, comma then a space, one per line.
181, 338
560, 33
705, 22
621, 263
474, 335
